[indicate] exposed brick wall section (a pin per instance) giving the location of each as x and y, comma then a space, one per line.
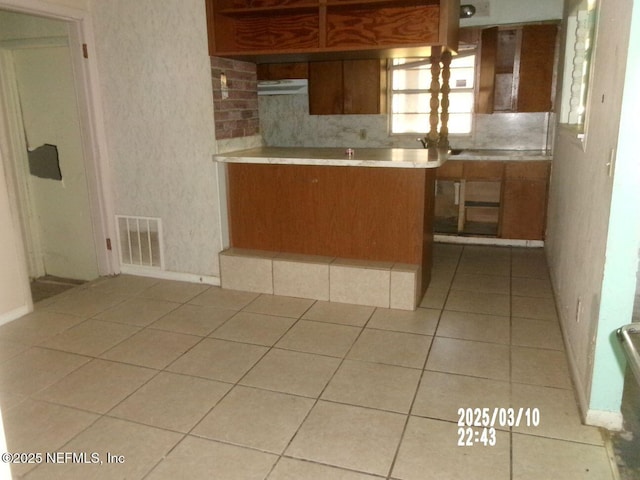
236, 116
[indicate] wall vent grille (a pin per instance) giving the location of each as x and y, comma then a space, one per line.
140, 241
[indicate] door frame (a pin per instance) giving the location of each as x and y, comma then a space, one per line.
91, 116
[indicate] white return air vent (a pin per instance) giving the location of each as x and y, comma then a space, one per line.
140, 240
283, 87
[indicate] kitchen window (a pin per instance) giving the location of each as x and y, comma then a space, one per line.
410, 79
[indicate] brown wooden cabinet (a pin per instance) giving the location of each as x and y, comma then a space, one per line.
492, 198
347, 87
282, 71
525, 200
516, 72
537, 63
259, 29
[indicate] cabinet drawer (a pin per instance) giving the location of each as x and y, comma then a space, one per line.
527, 170
477, 170
451, 170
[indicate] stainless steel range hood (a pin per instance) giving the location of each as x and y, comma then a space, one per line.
283, 87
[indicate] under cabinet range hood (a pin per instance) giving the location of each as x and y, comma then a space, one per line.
283, 87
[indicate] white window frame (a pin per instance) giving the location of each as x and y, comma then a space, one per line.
426, 61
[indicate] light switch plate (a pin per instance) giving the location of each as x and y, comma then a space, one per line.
224, 86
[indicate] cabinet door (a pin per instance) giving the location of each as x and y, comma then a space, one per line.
524, 202
487, 67
516, 69
347, 87
325, 88
524, 209
364, 87
537, 61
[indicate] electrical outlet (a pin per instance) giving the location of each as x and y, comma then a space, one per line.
363, 134
483, 9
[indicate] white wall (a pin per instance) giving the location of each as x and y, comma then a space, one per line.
79, 4
623, 241
513, 11
579, 208
155, 80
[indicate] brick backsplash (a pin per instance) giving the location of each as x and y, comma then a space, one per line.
237, 115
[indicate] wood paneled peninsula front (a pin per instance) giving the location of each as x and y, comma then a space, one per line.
372, 205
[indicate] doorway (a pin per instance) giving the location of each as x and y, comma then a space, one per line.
56, 181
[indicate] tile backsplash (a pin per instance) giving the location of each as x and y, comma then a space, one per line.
285, 121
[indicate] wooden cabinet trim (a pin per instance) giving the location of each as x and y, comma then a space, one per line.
282, 71
310, 27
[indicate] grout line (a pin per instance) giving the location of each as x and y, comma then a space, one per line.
424, 366
343, 359
510, 359
317, 399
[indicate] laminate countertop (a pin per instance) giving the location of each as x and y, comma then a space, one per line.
500, 155
360, 157
373, 157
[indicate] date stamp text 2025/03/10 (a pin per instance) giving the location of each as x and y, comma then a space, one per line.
477, 426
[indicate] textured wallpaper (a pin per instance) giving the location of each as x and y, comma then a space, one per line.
156, 87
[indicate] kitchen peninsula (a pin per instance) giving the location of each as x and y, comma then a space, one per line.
367, 213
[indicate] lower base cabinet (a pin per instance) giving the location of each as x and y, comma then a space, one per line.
492, 199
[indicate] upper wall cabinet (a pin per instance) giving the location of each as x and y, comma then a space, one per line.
281, 30
517, 66
343, 87
280, 71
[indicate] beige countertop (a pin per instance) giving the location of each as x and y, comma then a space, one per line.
500, 155
361, 157
373, 157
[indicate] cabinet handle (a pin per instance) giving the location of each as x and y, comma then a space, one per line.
456, 193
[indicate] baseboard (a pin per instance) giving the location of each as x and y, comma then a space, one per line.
14, 314
167, 275
502, 242
609, 420
578, 387
597, 418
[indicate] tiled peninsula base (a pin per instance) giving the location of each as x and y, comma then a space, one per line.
377, 284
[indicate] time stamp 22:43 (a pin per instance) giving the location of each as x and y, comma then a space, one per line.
477, 426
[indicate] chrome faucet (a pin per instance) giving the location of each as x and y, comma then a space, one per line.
427, 142
440, 142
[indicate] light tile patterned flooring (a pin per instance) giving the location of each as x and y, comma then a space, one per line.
190, 381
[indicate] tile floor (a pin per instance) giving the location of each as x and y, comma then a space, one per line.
189, 381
